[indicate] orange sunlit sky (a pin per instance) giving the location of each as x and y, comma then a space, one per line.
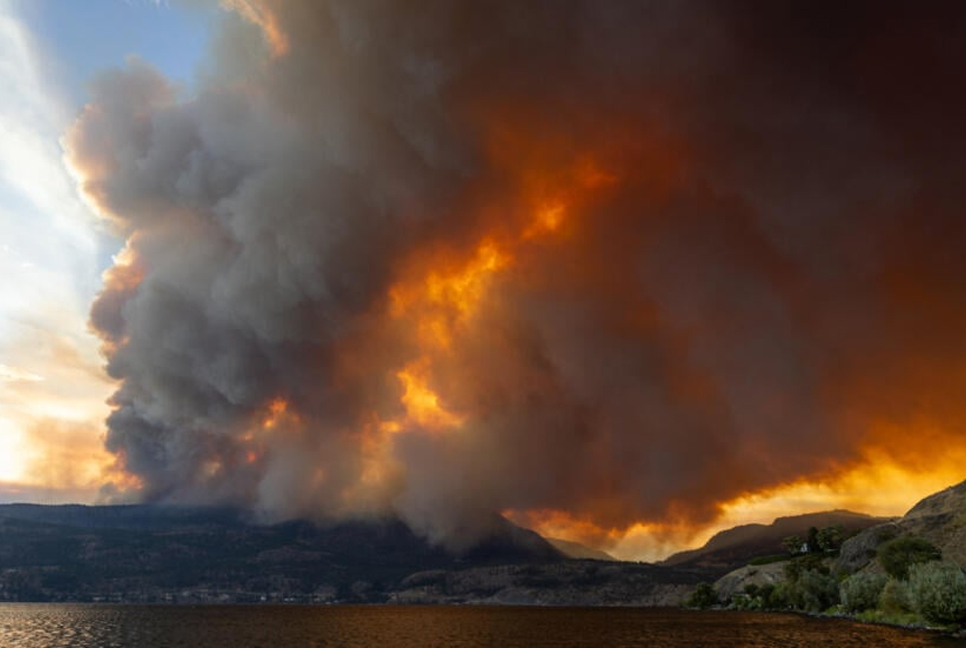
627, 273
53, 386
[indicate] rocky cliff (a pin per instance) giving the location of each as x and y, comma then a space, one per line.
939, 518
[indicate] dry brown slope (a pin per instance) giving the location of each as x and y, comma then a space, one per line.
939, 518
733, 548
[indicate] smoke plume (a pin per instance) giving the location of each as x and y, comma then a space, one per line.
621, 260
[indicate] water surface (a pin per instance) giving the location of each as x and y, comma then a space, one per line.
55, 625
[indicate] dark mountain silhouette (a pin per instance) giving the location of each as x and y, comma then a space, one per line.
144, 552
734, 547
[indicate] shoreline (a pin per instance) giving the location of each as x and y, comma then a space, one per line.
958, 633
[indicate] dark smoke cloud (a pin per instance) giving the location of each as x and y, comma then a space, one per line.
773, 261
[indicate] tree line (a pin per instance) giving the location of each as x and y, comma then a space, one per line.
914, 586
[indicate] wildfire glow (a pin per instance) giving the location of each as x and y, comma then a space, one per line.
548, 219
276, 410
462, 289
878, 485
422, 403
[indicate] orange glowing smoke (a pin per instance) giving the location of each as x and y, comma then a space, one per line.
462, 289
552, 523
440, 293
277, 408
422, 403
548, 220
443, 299
591, 307
265, 19
635, 541
436, 299
877, 485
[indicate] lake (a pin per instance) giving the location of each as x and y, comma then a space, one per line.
43, 625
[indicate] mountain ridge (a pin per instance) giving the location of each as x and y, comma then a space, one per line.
734, 547
146, 552
939, 518
578, 551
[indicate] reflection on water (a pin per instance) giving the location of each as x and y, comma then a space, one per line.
50, 625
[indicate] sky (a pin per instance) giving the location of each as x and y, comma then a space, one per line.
52, 384
627, 272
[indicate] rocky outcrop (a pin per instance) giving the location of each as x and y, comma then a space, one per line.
858, 551
735, 582
939, 518
949, 500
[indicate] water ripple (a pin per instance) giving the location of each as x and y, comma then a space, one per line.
25, 625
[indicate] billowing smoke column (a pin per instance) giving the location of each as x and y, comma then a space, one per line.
620, 260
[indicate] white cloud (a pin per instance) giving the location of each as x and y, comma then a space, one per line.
50, 246
12, 373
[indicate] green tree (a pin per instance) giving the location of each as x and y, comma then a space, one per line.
861, 591
896, 556
831, 538
807, 585
809, 562
702, 597
793, 544
812, 540
938, 591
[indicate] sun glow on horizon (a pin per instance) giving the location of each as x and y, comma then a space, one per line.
11, 453
877, 486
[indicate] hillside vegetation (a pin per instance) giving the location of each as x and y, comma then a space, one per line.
905, 571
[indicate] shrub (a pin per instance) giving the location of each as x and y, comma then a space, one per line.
815, 591
895, 598
743, 602
861, 591
896, 556
939, 591
702, 597
810, 590
766, 593
780, 597
753, 598
808, 562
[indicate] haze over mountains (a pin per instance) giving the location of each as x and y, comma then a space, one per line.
147, 553
155, 553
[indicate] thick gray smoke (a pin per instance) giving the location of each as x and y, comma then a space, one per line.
761, 253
